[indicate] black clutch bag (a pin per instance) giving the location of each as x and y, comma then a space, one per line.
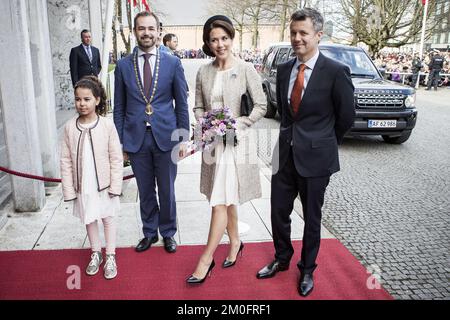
246, 104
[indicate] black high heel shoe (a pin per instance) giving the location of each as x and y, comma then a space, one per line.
195, 280
227, 263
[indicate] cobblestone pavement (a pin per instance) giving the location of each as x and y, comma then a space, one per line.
390, 204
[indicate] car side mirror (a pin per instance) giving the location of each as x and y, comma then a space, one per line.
383, 72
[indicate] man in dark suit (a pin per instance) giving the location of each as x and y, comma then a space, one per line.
147, 83
316, 103
84, 59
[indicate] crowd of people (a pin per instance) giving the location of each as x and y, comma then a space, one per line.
401, 67
249, 55
191, 54
254, 56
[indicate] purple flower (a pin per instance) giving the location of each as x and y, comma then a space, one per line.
215, 123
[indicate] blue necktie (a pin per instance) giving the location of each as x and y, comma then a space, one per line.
89, 53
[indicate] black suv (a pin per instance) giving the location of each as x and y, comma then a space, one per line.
382, 107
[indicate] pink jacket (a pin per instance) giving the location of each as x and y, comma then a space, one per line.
107, 152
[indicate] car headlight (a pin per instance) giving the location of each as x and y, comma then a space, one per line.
410, 101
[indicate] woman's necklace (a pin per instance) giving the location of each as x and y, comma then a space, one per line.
148, 107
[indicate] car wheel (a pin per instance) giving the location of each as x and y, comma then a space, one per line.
398, 140
271, 110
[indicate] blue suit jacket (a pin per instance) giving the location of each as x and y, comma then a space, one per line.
129, 106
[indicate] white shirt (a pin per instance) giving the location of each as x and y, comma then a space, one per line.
308, 71
141, 61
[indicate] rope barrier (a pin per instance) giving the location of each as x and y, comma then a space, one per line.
58, 180
45, 179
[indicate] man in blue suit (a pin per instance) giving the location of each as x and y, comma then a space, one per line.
149, 123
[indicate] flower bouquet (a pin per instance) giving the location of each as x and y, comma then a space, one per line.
215, 126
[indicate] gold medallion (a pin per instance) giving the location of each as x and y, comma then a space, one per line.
149, 109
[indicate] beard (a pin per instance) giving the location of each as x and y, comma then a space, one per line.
146, 42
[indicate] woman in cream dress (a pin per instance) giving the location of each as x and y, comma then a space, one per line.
228, 177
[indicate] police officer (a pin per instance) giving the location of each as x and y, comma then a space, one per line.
415, 68
435, 66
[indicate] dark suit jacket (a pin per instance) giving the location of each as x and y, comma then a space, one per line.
80, 65
326, 113
129, 105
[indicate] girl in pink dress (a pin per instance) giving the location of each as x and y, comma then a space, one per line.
92, 171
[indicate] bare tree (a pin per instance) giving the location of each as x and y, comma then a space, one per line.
234, 9
114, 35
258, 11
254, 13
384, 23
124, 20
247, 15
282, 11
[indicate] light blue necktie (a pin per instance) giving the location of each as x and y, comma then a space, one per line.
89, 53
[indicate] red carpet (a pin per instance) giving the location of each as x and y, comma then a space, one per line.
156, 274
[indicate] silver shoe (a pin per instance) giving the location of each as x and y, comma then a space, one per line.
110, 267
94, 264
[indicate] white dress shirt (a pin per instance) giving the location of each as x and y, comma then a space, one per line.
308, 71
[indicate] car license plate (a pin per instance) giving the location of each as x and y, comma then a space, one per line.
382, 123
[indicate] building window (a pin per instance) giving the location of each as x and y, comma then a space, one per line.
442, 38
436, 38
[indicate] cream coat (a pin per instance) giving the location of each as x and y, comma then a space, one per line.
108, 157
243, 77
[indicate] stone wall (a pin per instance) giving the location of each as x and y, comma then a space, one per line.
66, 20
